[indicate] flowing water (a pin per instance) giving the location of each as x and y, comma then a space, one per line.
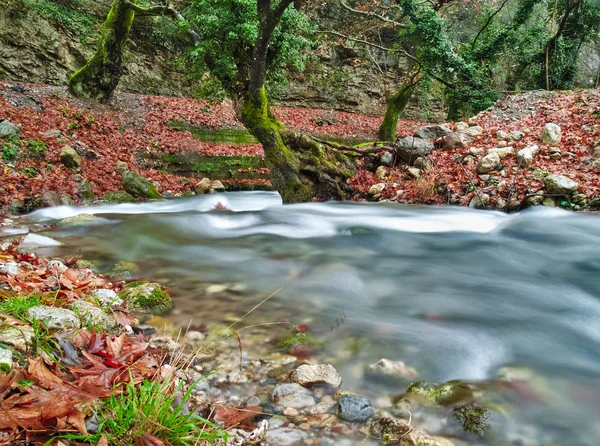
455, 293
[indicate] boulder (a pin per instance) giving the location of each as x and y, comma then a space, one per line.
354, 409
139, 186
203, 186
8, 129
559, 184
432, 132
146, 297
411, 148
313, 374
525, 158
70, 158
119, 196
457, 141
476, 151
292, 395
488, 163
92, 316
551, 134
59, 319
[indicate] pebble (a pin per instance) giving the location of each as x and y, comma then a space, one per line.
355, 409
313, 374
292, 395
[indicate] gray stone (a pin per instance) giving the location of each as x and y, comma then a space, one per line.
203, 186
90, 314
457, 141
120, 167
107, 297
138, 186
422, 163
55, 318
524, 158
355, 409
474, 131
516, 135
308, 375
292, 395
503, 152
501, 135
8, 129
6, 359
69, 157
551, 134
480, 201
414, 172
381, 173
461, 126
488, 163
11, 268
217, 186
18, 337
559, 184
52, 134
376, 189
432, 132
476, 151
387, 159
411, 148
535, 200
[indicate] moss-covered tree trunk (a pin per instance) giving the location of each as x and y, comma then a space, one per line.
301, 168
99, 78
396, 104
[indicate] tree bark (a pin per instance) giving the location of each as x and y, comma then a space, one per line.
301, 168
396, 104
99, 78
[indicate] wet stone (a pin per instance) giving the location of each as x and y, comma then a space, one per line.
292, 395
355, 409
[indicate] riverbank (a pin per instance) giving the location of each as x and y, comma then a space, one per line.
77, 358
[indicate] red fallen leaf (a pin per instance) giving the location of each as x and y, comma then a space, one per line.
232, 416
113, 364
103, 441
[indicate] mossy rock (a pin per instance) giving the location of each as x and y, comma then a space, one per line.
139, 186
119, 196
70, 158
450, 393
146, 297
93, 316
80, 219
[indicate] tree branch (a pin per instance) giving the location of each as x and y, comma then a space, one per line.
344, 148
487, 23
161, 10
373, 15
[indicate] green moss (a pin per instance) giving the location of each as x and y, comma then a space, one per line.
472, 417
146, 297
119, 196
395, 106
445, 394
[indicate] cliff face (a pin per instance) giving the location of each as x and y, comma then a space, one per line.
45, 41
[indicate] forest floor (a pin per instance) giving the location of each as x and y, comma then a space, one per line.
134, 127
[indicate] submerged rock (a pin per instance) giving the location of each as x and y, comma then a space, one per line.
146, 297
59, 319
292, 395
285, 436
355, 409
139, 186
446, 394
119, 196
312, 374
79, 219
384, 368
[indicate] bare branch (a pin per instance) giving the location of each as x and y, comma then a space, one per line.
373, 15
343, 148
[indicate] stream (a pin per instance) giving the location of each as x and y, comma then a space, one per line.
454, 293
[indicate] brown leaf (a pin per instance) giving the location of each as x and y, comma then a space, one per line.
40, 373
232, 416
148, 440
103, 441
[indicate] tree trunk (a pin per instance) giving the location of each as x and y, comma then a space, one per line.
301, 168
396, 104
99, 78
